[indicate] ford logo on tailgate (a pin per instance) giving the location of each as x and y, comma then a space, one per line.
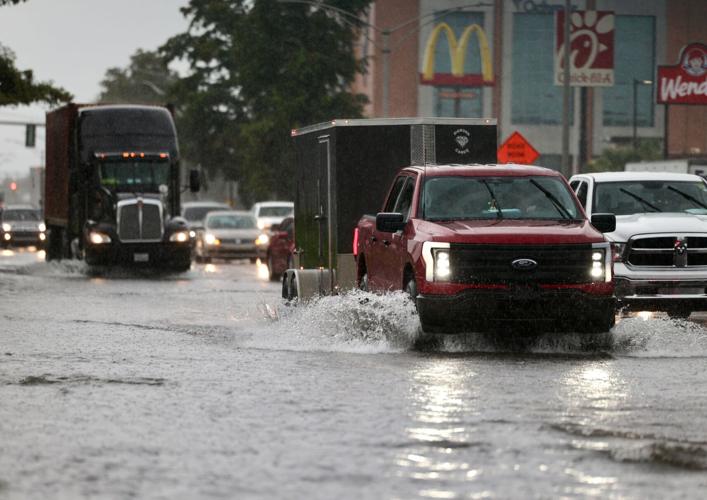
524, 264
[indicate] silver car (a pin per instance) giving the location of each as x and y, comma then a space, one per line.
228, 234
660, 241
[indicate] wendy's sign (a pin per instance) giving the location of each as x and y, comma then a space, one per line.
686, 82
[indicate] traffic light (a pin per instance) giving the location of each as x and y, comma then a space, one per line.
13, 186
30, 135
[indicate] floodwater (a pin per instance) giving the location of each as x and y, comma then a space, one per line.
204, 385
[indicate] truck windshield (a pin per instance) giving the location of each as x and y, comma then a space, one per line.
634, 197
536, 197
134, 175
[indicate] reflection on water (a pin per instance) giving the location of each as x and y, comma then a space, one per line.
210, 268
443, 397
7, 252
595, 385
262, 269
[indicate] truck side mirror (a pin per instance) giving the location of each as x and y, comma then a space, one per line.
605, 223
389, 222
194, 180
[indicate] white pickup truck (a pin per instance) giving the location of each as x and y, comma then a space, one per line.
660, 241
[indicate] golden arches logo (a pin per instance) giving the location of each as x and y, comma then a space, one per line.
457, 55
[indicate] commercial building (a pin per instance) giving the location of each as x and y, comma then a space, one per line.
496, 58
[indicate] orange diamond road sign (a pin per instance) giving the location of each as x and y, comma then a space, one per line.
517, 150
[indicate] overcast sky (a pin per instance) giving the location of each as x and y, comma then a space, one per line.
72, 43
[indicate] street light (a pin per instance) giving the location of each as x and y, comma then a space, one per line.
636, 83
350, 19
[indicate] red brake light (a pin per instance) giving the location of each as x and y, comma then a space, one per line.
355, 243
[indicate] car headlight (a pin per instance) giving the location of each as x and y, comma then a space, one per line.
263, 239
210, 239
442, 267
261, 224
98, 238
42, 227
6, 226
617, 251
180, 236
601, 263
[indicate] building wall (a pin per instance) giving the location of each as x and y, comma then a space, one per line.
649, 33
687, 125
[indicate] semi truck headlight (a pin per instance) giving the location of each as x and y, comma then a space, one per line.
192, 234
7, 236
601, 263
442, 266
6, 226
263, 239
98, 238
180, 236
42, 227
210, 239
42, 236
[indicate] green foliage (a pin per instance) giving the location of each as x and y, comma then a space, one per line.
19, 87
147, 80
615, 159
257, 70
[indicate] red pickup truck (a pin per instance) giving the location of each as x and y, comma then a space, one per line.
481, 245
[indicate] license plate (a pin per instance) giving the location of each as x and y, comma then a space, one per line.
141, 257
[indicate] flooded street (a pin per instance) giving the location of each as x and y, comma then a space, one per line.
203, 385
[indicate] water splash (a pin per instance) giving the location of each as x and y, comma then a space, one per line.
354, 322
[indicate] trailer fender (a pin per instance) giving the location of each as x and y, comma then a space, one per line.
305, 284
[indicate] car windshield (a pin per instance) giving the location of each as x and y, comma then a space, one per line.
141, 175
21, 215
537, 197
280, 211
198, 213
227, 221
633, 197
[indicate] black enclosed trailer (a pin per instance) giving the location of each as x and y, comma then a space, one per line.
343, 170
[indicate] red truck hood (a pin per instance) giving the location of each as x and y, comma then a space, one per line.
511, 232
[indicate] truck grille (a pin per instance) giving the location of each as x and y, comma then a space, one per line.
668, 251
566, 264
139, 221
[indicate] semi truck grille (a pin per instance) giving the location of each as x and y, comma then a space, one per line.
668, 251
566, 264
139, 220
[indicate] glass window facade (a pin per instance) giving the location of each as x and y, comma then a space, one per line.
535, 99
634, 59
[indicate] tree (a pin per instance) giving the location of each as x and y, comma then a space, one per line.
614, 159
146, 80
258, 69
19, 87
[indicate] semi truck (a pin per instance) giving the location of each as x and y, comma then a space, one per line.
112, 189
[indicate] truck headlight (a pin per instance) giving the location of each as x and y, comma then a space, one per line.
98, 238
210, 239
442, 266
262, 240
42, 227
180, 236
601, 262
617, 251
6, 227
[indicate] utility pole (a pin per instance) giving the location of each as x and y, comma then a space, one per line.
566, 167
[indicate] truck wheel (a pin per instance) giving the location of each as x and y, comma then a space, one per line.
411, 290
363, 284
598, 323
54, 243
679, 313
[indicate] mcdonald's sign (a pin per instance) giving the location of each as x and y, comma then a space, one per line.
457, 55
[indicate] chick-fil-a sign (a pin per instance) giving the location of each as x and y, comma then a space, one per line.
686, 82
